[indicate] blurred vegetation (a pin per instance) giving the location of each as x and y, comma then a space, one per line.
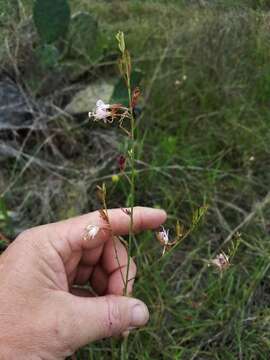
204, 138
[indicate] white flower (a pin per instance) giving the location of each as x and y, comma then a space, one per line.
91, 231
221, 261
163, 237
102, 111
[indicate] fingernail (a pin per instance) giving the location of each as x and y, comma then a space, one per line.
139, 315
162, 211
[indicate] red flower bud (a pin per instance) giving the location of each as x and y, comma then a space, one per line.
121, 162
135, 97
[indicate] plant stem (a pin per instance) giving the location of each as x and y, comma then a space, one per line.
132, 182
124, 350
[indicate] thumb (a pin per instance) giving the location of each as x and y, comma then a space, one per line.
90, 319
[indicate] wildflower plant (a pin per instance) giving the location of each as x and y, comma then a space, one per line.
124, 116
223, 261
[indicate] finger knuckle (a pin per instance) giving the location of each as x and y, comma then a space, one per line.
139, 218
114, 316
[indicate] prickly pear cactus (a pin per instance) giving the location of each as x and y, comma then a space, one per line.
51, 18
84, 33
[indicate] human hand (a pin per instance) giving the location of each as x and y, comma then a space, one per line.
42, 314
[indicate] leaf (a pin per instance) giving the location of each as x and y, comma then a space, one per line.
9, 9
102, 193
48, 55
120, 37
179, 230
120, 94
235, 243
51, 18
104, 189
3, 211
198, 215
84, 36
3, 245
5, 220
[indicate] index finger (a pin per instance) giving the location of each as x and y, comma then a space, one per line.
72, 231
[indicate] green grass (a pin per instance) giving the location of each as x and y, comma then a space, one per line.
202, 140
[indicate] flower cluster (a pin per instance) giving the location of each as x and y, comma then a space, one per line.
102, 112
163, 237
109, 112
221, 261
91, 232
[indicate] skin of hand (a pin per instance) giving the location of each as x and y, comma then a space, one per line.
44, 315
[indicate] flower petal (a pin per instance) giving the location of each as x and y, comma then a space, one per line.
100, 103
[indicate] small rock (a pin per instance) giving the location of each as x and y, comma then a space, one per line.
18, 110
85, 100
15, 112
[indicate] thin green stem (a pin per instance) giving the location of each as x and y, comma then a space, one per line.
124, 350
132, 181
114, 242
